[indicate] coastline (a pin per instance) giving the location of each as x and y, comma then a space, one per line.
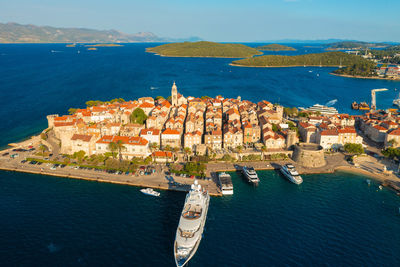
152, 184
155, 53
283, 66
362, 77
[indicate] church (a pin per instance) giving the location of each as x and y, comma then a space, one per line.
177, 99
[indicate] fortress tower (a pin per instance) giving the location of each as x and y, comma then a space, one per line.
174, 95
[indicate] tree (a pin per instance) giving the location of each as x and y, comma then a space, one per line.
79, 155
391, 152
188, 152
353, 148
72, 111
138, 116
275, 128
154, 146
120, 146
239, 148
159, 97
43, 148
392, 143
168, 148
113, 147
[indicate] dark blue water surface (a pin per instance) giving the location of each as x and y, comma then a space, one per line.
330, 220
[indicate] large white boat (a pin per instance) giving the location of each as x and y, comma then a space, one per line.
251, 175
291, 174
150, 192
225, 183
321, 109
191, 224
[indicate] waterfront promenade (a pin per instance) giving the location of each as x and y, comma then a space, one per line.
381, 170
158, 180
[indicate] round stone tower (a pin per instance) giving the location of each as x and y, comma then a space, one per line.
309, 155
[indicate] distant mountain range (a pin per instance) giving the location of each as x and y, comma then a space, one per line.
18, 33
321, 41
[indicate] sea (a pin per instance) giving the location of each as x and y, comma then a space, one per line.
329, 220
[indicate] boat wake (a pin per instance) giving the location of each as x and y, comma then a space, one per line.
331, 103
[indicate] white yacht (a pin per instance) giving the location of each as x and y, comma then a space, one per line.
321, 109
251, 175
290, 172
150, 191
225, 183
191, 224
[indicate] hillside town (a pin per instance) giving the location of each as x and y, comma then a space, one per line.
209, 126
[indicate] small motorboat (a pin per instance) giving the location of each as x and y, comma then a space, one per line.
150, 191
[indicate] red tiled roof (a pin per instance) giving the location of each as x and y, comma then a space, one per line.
329, 132
170, 131
162, 154
82, 137
146, 105
150, 131
394, 132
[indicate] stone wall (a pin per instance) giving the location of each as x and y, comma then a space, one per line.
309, 155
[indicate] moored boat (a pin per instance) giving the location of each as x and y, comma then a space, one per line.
191, 224
225, 183
289, 171
150, 192
250, 175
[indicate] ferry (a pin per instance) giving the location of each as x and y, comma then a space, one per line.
191, 224
289, 171
225, 183
150, 192
251, 175
321, 109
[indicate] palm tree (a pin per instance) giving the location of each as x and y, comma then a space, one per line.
120, 146
113, 147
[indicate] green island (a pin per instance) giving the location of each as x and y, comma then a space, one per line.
327, 59
204, 49
275, 47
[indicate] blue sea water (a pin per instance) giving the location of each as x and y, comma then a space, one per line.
333, 220
329, 220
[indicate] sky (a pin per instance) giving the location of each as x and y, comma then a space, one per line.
218, 20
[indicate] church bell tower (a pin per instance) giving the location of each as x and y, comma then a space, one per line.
174, 95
